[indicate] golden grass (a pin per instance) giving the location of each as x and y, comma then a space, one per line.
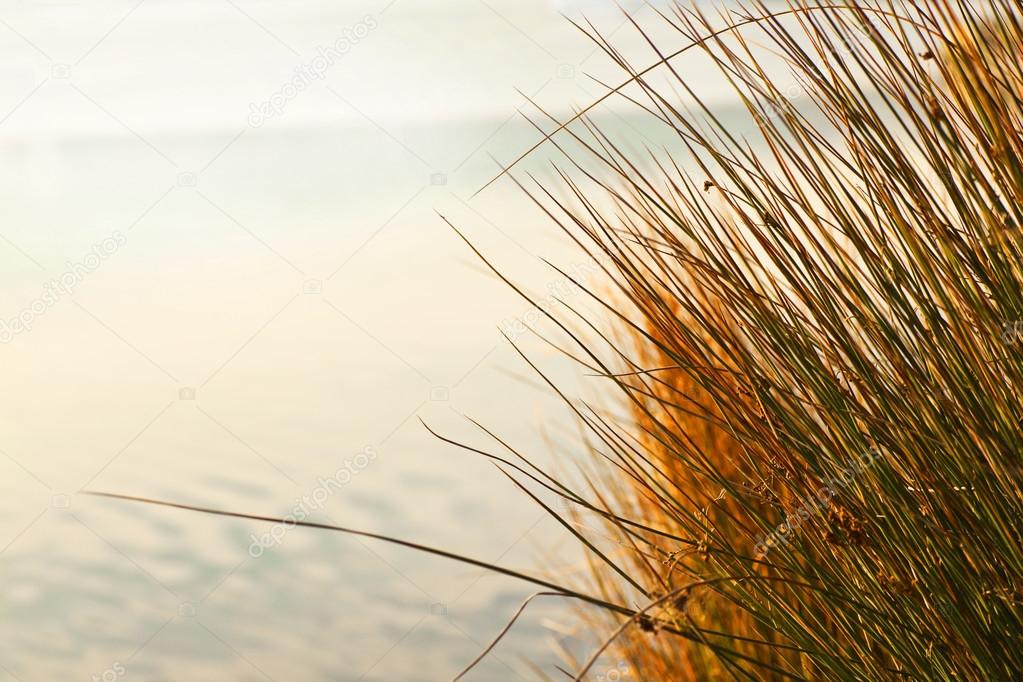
812, 338
821, 346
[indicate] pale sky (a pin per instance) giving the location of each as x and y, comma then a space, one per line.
199, 66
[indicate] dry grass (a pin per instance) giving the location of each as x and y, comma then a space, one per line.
821, 333
825, 333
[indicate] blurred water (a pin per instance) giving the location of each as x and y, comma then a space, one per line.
269, 307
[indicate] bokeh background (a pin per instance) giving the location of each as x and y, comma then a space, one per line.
275, 292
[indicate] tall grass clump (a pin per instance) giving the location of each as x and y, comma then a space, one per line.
814, 326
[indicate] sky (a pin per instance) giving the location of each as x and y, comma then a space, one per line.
163, 65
